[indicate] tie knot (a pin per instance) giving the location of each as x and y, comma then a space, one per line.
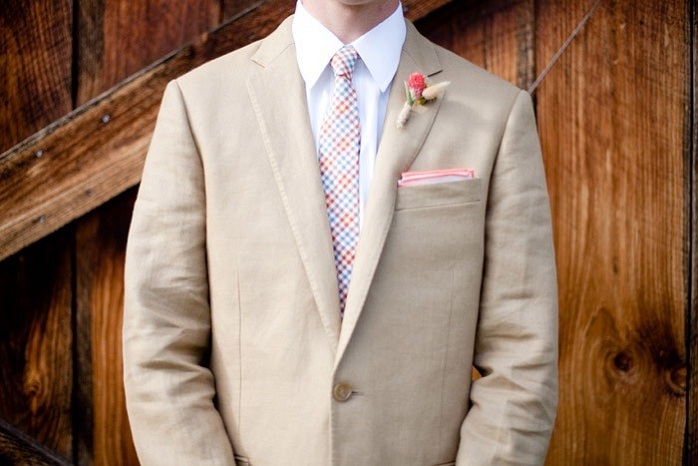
344, 60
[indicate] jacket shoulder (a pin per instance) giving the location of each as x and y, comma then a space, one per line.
231, 67
473, 80
234, 68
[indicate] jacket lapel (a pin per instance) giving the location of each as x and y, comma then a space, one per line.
397, 150
277, 93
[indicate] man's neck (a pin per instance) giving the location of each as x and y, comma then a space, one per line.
350, 19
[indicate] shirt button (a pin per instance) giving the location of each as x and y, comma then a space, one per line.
341, 392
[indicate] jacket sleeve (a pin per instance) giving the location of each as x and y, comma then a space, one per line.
513, 404
166, 328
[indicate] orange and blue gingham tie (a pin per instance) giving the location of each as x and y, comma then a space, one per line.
338, 147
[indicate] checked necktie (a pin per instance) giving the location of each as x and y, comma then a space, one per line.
338, 147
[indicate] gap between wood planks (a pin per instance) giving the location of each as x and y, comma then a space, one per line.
565, 45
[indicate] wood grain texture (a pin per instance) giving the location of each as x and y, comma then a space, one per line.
97, 151
17, 448
611, 120
35, 66
231, 9
497, 36
35, 342
117, 38
691, 149
101, 244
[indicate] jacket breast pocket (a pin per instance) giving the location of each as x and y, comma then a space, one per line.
439, 194
436, 236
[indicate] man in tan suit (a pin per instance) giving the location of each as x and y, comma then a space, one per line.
235, 347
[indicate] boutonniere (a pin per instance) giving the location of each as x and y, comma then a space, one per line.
418, 93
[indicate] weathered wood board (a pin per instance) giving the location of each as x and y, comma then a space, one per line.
118, 38
101, 240
611, 117
36, 340
36, 48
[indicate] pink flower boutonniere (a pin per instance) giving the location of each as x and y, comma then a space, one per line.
418, 93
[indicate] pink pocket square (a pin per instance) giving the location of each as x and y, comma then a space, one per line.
435, 176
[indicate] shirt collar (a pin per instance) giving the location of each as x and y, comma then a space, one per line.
379, 48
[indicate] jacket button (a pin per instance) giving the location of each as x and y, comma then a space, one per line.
342, 392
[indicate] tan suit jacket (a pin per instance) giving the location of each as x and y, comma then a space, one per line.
233, 346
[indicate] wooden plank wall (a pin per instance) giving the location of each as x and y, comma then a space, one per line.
613, 122
614, 116
61, 298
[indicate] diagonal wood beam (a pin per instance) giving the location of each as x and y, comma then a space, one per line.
97, 151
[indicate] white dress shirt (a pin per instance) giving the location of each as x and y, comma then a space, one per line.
379, 51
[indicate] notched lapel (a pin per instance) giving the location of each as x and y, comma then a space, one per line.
277, 93
397, 150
